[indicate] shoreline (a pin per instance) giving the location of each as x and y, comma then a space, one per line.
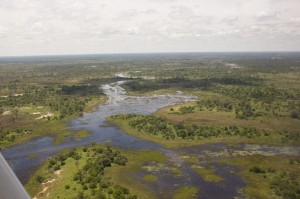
179, 143
59, 128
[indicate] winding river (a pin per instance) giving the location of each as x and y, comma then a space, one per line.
24, 164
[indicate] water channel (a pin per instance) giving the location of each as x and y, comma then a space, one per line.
102, 132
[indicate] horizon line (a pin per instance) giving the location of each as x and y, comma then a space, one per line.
133, 53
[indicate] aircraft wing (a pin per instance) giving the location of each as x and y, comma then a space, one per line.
10, 186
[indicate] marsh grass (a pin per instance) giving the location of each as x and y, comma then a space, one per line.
150, 178
81, 134
185, 192
258, 185
124, 175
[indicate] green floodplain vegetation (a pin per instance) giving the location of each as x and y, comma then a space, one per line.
242, 98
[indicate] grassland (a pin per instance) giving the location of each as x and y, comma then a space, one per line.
261, 91
204, 171
222, 118
186, 192
159, 139
27, 126
269, 177
258, 94
150, 177
81, 134
60, 183
136, 160
175, 140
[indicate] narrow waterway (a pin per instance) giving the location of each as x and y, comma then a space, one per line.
24, 163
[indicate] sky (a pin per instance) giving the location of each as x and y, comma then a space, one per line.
43, 27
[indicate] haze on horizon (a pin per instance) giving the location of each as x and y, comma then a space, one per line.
41, 27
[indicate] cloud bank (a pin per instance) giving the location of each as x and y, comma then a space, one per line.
35, 27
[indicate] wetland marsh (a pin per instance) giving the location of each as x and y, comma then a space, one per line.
185, 133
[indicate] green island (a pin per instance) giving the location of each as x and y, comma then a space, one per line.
244, 122
79, 173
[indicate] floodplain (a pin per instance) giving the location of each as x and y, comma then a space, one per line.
170, 125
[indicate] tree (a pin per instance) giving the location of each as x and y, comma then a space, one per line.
294, 115
39, 179
1, 110
14, 114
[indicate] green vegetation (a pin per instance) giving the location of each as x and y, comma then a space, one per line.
203, 169
242, 98
95, 171
33, 155
38, 95
124, 175
80, 173
171, 130
279, 128
259, 91
149, 177
81, 134
269, 177
246, 97
208, 174
186, 192
154, 127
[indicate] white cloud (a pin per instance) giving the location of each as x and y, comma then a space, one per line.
91, 26
264, 15
230, 20
295, 19
3, 32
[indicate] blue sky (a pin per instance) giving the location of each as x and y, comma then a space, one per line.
38, 27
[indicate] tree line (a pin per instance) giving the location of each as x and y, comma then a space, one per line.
170, 130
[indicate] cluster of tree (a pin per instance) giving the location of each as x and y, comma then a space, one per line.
68, 106
253, 92
286, 186
295, 114
287, 136
186, 83
186, 109
243, 109
90, 175
11, 135
267, 62
216, 103
218, 78
57, 162
49, 70
257, 169
67, 100
283, 184
241, 88
81, 90
171, 130
270, 99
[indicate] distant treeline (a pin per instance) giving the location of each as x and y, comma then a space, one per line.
66, 99
246, 90
185, 83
